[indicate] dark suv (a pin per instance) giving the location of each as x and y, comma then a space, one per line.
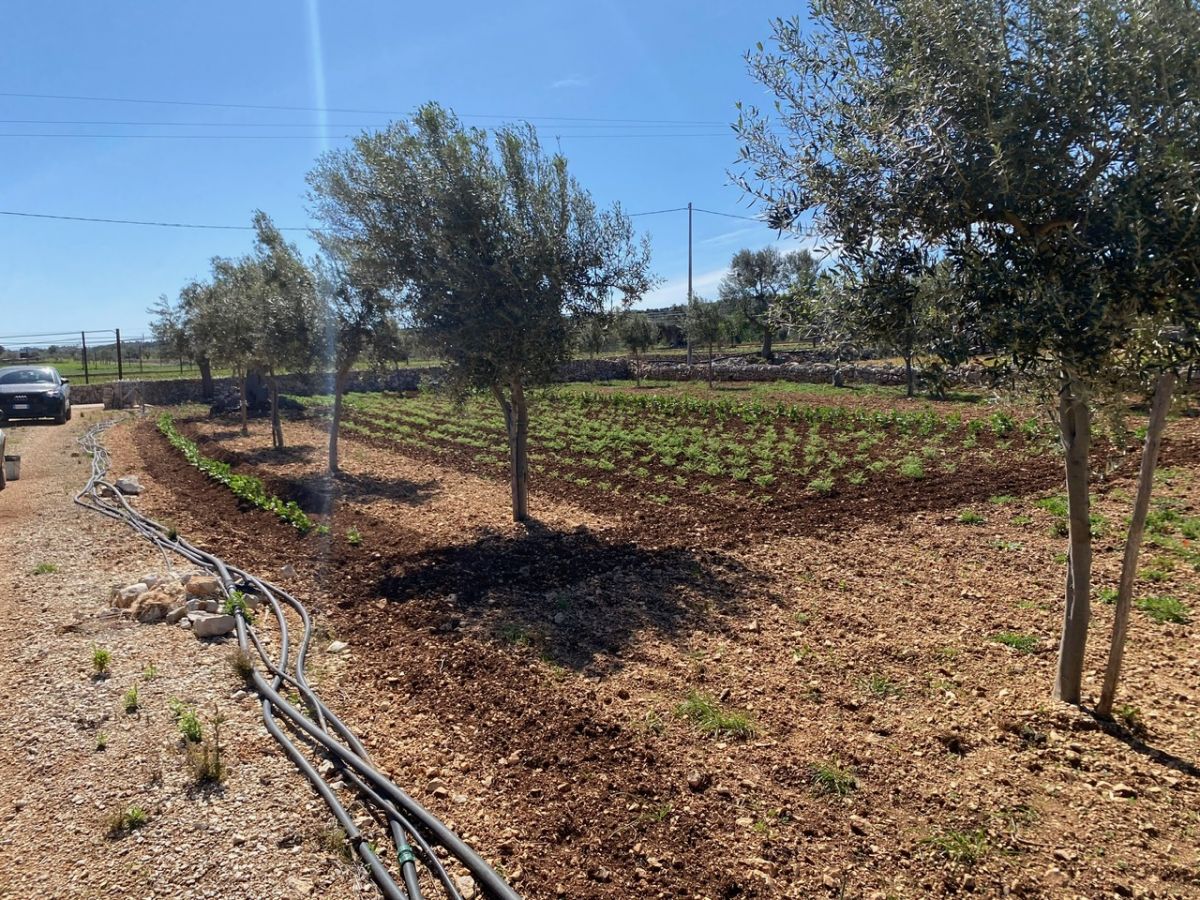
34, 392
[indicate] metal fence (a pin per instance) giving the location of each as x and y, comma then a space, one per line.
95, 356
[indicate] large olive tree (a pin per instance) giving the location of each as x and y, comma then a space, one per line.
1048, 154
492, 246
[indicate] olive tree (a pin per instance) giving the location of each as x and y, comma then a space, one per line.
637, 334
1047, 154
492, 246
756, 281
360, 323
289, 320
706, 327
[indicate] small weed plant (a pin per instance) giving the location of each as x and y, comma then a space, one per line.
829, 777
189, 726
354, 537
704, 712
130, 700
123, 821
963, 847
101, 658
882, 686
1022, 643
970, 517
1164, 610
236, 603
45, 568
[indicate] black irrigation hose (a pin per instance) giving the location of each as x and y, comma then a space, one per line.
413, 829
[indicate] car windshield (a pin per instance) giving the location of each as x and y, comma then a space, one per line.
28, 376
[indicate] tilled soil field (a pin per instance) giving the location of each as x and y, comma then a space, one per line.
610, 705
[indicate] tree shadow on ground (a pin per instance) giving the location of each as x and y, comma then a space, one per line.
318, 493
1138, 744
579, 598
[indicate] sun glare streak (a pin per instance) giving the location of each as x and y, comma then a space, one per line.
316, 72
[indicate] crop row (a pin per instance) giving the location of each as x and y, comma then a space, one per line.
683, 443
244, 487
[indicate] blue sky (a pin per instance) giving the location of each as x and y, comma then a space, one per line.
656, 62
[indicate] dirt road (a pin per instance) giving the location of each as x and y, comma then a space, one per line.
72, 758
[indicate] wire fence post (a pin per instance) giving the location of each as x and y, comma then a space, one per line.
120, 367
83, 341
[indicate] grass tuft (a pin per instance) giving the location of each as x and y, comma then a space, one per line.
830, 778
123, 821
708, 716
1022, 643
964, 847
101, 657
1164, 609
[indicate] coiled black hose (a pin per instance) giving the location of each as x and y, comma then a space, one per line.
414, 831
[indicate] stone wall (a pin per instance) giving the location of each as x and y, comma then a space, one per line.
172, 391
168, 392
737, 369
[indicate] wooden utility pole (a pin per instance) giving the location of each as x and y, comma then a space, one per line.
120, 365
689, 296
83, 341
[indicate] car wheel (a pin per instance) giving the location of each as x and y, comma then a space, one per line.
63, 414
68, 416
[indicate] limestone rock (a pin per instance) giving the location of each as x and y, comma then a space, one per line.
152, 606
205, 625
127, 595
203, 586
129, 485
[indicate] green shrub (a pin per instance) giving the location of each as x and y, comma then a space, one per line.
101, 657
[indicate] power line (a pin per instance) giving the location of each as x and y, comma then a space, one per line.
329, 109
808, 232
295, 137
183, 124
29, 215
712, 212
659, 212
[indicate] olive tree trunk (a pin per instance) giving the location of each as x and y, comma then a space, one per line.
1075, 425
276, 425
1133, 543
768, 341
242, 376
516, 423
206, 379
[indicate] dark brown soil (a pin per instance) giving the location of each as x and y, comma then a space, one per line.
536, 672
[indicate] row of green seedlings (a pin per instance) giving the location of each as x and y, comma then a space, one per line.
580, 438
244, 487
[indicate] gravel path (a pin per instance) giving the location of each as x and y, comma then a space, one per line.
71, 757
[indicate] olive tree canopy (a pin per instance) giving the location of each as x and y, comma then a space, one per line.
1046, 154
493, 248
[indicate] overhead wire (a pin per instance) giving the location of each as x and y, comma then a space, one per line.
352, 110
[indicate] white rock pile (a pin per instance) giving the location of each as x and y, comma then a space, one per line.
193, 600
